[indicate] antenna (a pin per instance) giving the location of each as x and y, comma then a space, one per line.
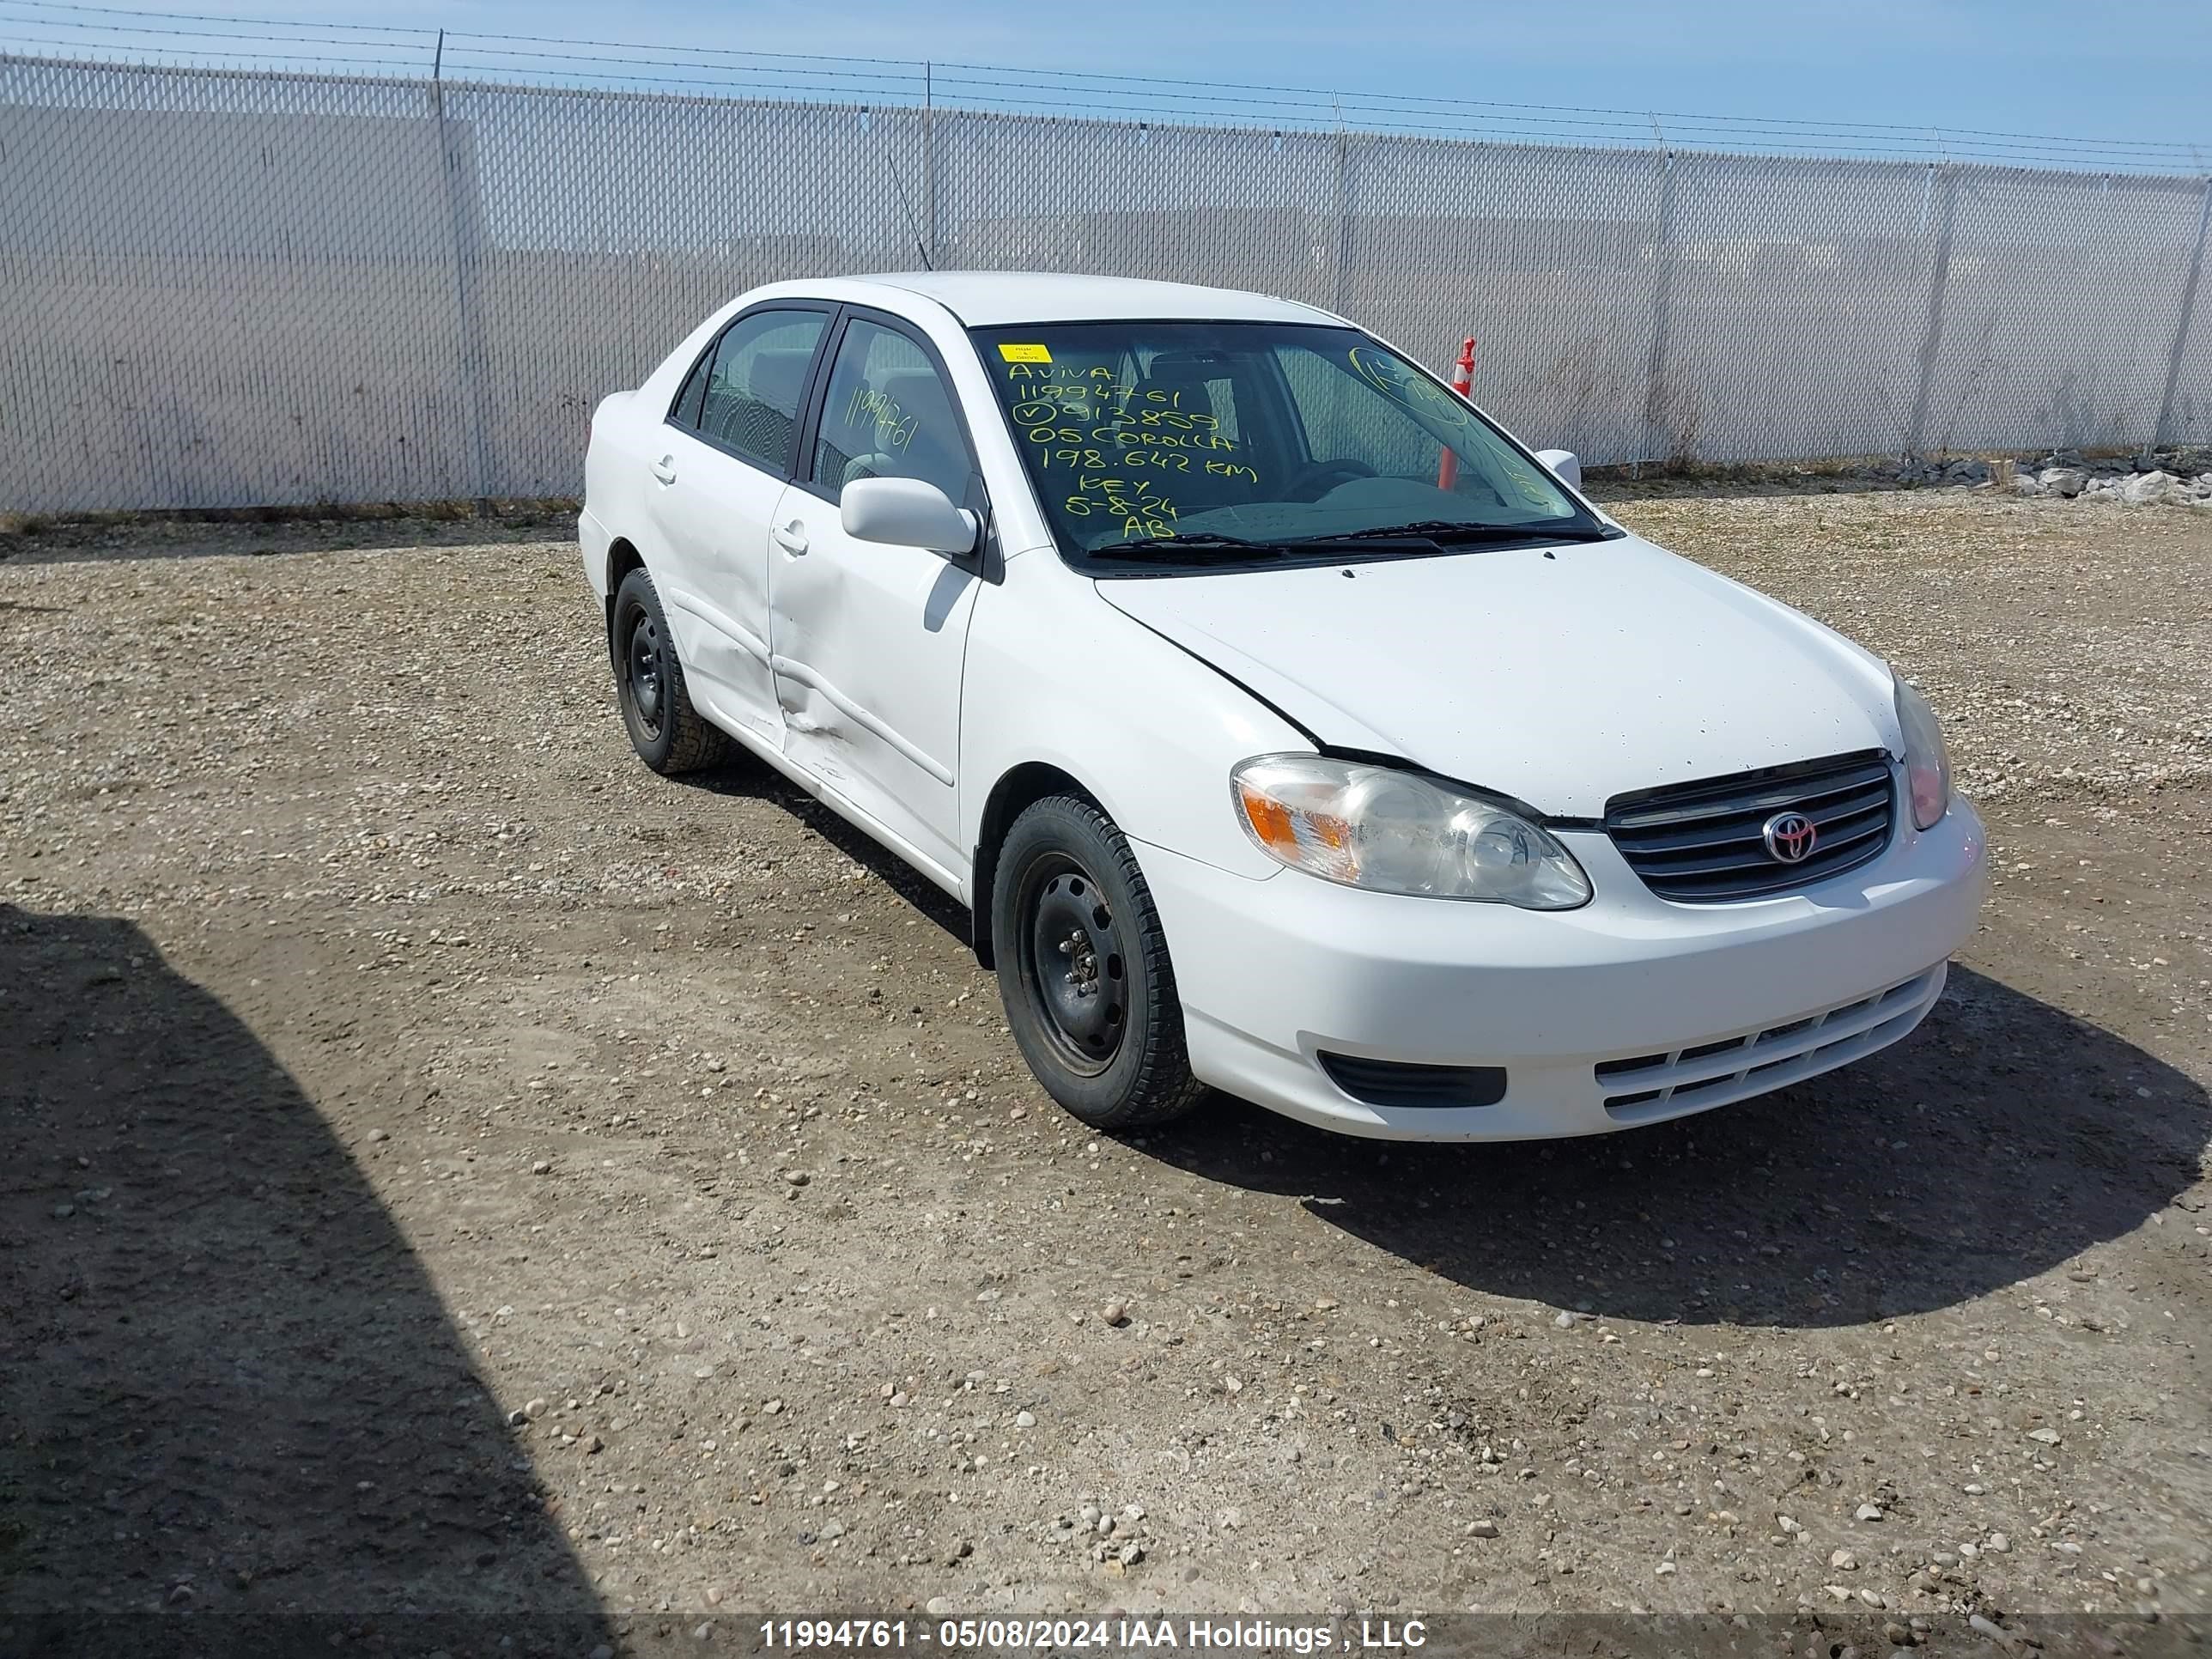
913, 227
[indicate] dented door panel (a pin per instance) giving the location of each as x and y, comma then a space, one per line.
867, 643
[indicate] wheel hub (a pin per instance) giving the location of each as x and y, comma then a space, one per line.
1077, 969
642, 663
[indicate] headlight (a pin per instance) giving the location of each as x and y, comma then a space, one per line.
1927, 767
1396, 832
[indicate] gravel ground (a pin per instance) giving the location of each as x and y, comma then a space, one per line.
445, 1169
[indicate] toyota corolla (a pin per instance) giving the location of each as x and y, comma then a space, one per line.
1286, 725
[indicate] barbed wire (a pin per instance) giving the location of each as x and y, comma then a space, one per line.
109, 34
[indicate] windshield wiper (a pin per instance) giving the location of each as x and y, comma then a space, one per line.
1199, 547
1447, 531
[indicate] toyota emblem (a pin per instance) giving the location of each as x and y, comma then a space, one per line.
1789, 837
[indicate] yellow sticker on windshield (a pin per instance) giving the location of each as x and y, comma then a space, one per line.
1024, 354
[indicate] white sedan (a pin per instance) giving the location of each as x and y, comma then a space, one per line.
1285, 726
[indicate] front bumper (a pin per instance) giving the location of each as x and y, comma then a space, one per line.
1274, 972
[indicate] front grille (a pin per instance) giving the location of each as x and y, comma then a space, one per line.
1401, 1083
1702, 842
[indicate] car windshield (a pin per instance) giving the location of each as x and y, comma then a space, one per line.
1218, 442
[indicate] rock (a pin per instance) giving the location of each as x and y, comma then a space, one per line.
1482, 1530
2025, 484
833, 1530
2066, 481
1115, 1314
1843, 1561
1995, 1632
1026, 1419
2146, 487
534, 1409
543, 1166
1872, 1598
1896, 1635
2047, 1437
517, 1418
1565, 1321
938, 1606
1869, 1513
1999, 1542
592, 1444
797, 1177
1129, 1554
379, 1135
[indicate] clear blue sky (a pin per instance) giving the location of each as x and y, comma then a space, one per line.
2062, 69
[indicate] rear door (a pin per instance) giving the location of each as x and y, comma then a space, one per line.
721, 461
869, 638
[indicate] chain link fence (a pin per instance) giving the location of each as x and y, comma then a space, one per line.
228, 289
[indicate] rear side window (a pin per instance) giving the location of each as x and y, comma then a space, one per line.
685, 411
888, 414
745, 395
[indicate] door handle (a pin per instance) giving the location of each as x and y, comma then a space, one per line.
791, 537
664, 469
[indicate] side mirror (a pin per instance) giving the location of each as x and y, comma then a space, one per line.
1565, 465
906, 512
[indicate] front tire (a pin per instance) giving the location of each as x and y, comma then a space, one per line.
669, 734
1084, 970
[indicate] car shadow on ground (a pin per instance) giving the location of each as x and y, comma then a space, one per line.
2004, 1138
234, 1415
744, 778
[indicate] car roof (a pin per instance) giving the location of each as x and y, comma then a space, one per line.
985, 299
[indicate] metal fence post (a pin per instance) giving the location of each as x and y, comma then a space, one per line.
462, 216
2163, 432
1657, 443
929, 155
1342, 301
1931, 333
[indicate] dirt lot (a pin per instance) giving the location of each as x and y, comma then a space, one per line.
385, 1054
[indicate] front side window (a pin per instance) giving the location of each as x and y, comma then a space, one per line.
888, 414
1174, 439
745, 394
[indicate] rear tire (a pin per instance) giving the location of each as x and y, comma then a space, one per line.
669, 734
1084, 970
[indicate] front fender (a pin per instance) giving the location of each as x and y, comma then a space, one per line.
1057, 676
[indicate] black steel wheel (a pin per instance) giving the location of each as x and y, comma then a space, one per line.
1076, 969
641, 673
1083, 970
669, 734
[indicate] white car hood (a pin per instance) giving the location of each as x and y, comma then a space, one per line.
1561, 680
